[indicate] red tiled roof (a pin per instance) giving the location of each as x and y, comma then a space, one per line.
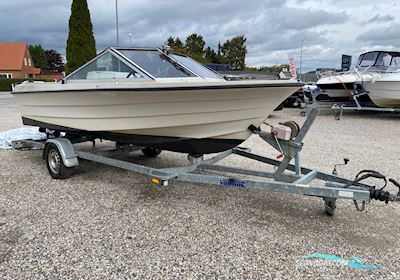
12, 55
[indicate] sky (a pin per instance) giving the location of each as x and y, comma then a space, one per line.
275, 29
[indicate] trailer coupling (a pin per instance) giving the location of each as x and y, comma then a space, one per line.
378, 193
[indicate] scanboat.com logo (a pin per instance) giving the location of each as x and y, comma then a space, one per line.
353, 262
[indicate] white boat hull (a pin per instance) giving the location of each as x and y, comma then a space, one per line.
338, 93
217, 113
338, 86
384, 90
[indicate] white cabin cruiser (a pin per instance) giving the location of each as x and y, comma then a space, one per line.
340, 84
384, 86
152, 98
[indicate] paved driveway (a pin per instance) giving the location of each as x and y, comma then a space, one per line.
6, 100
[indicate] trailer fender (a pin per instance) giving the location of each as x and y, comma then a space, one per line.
67, 151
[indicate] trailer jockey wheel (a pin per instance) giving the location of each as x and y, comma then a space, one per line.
330, 206
55, 164
151, 152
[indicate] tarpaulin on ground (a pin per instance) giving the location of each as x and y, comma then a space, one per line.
22, 133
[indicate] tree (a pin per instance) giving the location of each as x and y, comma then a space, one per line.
54, 60
81, 45
195, 44
176, 45
38, 57
171, 42
219, 59
275, 68
234, 52
210, 55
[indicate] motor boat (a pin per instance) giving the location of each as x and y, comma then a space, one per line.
154, 98
337, 85
340, 84
384, 86
384, 89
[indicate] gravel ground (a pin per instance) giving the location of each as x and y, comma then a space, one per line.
109, 223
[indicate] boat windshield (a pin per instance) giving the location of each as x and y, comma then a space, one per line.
196, 67
394, 64
380, 61
140, 64
156, 63
367, 59
105, 67
383, 60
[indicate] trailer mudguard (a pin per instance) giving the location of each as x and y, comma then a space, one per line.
67, 151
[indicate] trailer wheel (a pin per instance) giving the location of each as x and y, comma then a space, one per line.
55, 164
151, 152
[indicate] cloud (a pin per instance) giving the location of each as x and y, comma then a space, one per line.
389, 34
380, 19
274, 28
301, 19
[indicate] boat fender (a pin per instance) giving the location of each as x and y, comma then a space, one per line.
67, 151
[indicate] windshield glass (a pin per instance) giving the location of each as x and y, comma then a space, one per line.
368, 59
384, 59
106, 66
196, 67
157, 64
395, 64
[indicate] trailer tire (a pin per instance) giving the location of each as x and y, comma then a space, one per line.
55, 164
151, 152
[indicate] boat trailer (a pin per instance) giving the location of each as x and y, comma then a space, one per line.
339, 107
61, 156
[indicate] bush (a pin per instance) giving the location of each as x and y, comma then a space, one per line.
6, 84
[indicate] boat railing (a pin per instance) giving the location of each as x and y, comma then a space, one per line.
327, 73
361, 72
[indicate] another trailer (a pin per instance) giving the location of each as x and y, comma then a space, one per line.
339, 107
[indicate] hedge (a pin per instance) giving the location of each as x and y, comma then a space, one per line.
5, 84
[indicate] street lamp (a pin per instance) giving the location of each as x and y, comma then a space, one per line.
116, 21
130, 39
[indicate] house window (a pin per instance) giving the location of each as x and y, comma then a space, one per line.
29, 62
25, 61
5, 76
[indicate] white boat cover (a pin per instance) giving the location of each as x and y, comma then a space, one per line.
22, 133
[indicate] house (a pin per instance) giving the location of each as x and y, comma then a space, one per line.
16, 62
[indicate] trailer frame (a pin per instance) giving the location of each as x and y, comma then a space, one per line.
339, 107
286, 177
